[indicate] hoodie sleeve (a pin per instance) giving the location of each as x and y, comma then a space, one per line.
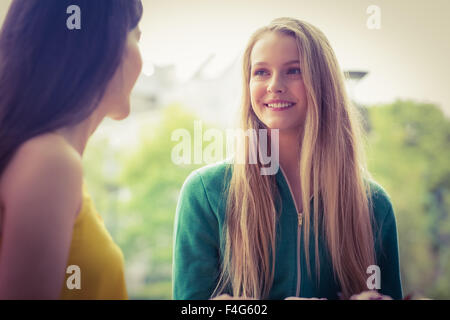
196, 264
387, 249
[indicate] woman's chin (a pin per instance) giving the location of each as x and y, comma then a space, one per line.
280, 125
120, 115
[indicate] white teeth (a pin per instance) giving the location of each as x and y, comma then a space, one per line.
279, 105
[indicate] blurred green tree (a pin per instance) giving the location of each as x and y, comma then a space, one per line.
154, 183
408, 153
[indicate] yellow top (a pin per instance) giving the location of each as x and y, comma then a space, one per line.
99, 260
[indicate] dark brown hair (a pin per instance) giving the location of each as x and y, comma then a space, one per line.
50, 76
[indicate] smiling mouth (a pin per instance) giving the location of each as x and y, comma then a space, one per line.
279, 106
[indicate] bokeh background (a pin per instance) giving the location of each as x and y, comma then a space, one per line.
398, 75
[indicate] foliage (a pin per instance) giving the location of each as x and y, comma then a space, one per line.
142, 221
408, 154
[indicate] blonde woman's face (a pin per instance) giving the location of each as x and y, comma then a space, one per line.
277, 91
116, 101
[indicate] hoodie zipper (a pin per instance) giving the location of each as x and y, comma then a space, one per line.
299, 228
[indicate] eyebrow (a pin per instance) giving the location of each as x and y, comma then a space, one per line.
260, 63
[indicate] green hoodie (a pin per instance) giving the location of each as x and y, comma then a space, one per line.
199, 243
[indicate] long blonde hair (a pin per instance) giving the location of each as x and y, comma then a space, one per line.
332, 164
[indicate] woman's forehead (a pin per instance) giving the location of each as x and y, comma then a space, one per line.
274, 48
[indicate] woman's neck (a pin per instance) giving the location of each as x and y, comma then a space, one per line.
78, 134
289, 151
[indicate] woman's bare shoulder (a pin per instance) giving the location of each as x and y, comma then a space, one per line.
44, 162
46, 147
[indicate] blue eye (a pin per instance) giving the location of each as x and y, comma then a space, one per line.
294, 71
260, 73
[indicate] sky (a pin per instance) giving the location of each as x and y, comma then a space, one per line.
408, 57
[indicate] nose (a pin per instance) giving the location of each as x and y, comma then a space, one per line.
276, 85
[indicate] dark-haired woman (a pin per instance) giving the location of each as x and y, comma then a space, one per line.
56, 86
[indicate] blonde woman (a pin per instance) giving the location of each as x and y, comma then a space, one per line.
311, 229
